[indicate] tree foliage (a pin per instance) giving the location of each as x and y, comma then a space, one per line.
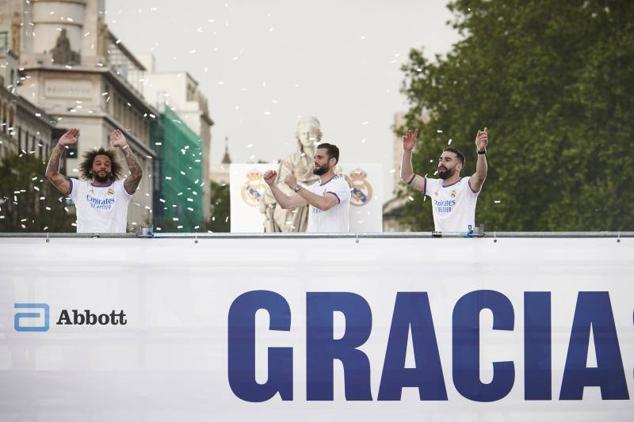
554, 83
220, 208
28, 202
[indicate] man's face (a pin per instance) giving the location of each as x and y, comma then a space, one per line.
322, 162
448, 165
102, 169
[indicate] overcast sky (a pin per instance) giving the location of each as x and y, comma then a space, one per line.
263, 63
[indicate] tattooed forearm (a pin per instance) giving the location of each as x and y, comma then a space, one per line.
132, 181
58, 180
53, 163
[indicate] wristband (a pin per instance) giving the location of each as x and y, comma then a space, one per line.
297, 188
125, 146
412, 179
483, 152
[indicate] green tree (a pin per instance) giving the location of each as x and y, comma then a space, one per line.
28, 202
220, 208
553, 82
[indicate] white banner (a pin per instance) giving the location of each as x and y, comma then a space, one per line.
366, 205
247, 188
317, 329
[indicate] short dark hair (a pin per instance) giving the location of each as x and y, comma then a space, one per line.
458, 153
85, 167
333, 151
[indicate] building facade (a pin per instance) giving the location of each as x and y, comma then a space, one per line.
181, 94
76, 70
179, 204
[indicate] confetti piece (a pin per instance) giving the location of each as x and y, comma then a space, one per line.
438, 130
497, 201
449, 142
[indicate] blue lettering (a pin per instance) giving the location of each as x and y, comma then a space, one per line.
242, 347
322, 349
594, 312
466, 351
537, 346
412, 310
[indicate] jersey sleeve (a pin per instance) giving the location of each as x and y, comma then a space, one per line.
74, 187
121, 192
341, 190
467, 182
430, 186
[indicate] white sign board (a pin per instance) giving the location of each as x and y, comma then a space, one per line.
289, 329
246, 189
366, 184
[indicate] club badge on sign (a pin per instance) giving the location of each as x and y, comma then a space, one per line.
361, 189
253, 189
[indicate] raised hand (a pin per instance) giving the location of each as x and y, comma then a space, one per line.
269, 177
117, 139
409, 140
70, 137
482, 140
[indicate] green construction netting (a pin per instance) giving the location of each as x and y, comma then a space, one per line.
178, 204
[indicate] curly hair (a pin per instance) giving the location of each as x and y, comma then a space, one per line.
85, 167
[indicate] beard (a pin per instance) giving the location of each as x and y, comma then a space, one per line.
445, 174
103, 179
320, 171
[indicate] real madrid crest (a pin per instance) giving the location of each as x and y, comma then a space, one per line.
453, 193
360, 188
253, 189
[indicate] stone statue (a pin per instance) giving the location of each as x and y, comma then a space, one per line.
62, 54
301, 164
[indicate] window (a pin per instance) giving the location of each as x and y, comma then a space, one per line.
4, 40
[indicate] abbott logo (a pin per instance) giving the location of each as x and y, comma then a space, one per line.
35, 320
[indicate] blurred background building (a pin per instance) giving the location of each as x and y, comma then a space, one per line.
63, 68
